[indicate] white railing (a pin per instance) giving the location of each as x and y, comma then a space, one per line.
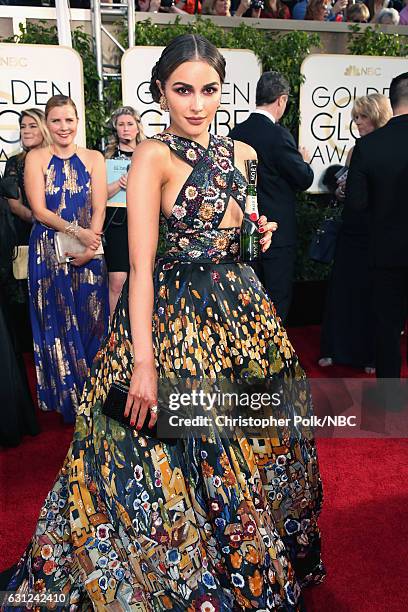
20, 14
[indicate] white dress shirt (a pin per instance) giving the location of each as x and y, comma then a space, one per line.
264, 112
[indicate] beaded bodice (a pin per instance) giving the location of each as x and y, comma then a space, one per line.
193, 232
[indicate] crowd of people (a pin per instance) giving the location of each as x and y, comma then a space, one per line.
385, 12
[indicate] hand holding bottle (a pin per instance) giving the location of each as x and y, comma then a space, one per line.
266, 228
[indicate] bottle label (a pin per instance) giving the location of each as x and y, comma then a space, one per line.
250, 246
251, 207
251, 165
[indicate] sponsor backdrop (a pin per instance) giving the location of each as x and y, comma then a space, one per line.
29, 75
238, 91
332, 82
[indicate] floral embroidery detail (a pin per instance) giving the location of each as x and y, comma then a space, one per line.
224, 164
220, 181
191, 154
206, 212
179, 212
191, 192
221, 243
219, 206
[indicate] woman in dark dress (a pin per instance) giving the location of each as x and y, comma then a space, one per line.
212, 522
17, 416
347, 330
127, 132
34, 134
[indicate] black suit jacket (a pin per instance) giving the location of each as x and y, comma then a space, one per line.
378, 179
281, 172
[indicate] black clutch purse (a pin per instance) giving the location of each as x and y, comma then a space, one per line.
323, 243
114, 408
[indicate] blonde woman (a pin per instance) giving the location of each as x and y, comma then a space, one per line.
127, 133
347, 331
66, 187
33, 135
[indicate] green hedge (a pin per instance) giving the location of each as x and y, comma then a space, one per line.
278, 51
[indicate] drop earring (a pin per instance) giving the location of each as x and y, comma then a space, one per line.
163, 103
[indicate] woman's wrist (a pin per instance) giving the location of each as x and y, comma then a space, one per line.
73, 229
144, 361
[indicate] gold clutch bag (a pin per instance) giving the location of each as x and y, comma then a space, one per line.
20, 262
69, 244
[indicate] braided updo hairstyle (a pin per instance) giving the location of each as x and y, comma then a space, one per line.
185, 48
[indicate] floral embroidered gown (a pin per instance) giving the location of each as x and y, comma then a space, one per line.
68, 305
208, 523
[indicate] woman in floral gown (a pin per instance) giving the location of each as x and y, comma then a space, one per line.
204, 523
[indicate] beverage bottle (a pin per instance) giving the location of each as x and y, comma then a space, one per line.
250, 246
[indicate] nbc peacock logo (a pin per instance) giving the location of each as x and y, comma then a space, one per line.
355, 71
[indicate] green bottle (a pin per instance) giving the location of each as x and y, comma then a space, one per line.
250, 246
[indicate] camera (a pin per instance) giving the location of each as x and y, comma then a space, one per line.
167, 3
257, 4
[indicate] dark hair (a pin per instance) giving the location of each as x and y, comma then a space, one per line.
329, 178
59, 100
314, 10
185, 48
270, 86
399, 90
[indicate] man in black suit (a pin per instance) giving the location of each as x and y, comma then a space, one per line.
378, 179
282, 171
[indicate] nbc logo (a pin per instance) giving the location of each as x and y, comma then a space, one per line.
365, 71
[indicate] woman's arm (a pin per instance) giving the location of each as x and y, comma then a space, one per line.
99, 191
16, 206
34, 182
113, 189
150, 166
116, 186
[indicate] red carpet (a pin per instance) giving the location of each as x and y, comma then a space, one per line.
364, 526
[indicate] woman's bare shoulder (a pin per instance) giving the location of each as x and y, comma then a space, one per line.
243, 151
152, 150
39, 158
40, 154
90, 157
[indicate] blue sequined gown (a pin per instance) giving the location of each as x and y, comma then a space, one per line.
209, 524
68, 305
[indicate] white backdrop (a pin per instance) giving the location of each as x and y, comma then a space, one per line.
326, 99
29, 75
238, 92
